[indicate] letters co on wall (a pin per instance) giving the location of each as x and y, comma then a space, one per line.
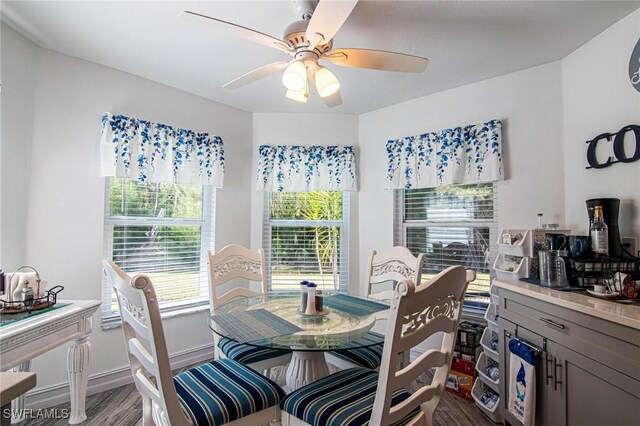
618, 147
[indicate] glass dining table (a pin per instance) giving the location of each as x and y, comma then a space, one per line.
274, 321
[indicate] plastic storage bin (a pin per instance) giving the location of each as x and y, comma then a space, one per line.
491, 317
522, 248
493, 292
479, 388
487, 336
481, 366
521, 270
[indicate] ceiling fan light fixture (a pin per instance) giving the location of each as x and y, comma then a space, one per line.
295, 76
326, 82
300, 96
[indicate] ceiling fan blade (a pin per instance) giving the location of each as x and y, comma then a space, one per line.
377, 60
327, 19
237, 31
333, 100
256, 74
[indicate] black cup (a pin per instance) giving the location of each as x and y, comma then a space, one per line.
556, 241
579, 246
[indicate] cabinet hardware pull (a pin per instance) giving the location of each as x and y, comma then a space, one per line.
552, 323
548, 361
556, 382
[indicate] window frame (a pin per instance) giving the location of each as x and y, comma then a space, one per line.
207, 242
400, 227
343, 225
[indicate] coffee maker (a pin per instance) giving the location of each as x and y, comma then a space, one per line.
610, 211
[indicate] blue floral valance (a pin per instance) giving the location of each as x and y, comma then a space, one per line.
468, 154
284, 168
153, 152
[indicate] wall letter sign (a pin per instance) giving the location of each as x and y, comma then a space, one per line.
618, 147
634, 67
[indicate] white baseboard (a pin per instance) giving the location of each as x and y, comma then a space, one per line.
100, 382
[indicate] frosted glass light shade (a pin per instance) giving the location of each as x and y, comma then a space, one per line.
326, 83
300, 96
295, 76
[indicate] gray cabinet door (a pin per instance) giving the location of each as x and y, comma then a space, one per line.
592, 393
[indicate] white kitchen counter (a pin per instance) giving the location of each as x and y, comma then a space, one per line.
627, 315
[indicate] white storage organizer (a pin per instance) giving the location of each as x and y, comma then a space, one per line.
479, 388
493, 292
485, 341
491, 316
521, 269
481, 367
521, 248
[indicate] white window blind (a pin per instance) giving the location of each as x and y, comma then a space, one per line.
163, 231
453, 225
305, 237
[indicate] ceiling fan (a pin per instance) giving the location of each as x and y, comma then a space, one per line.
307, 41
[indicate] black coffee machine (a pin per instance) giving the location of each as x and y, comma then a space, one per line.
610, 211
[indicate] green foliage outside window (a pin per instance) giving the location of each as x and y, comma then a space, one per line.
136, 246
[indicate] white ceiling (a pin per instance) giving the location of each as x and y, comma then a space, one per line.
464, 41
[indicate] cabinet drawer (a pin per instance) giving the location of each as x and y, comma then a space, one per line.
606, 342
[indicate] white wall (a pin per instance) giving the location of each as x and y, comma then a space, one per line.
66, 198
304, 129
529, 105
599, 98
18, 95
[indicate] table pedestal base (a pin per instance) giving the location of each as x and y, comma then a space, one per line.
306, 367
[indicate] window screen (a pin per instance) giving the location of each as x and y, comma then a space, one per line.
453, 225
163, 231
306, 238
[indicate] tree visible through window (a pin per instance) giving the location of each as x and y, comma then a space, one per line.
305, 237
163, 231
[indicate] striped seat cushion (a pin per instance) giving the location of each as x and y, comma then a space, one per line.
222, 391
369, 357
248, 354
341, 399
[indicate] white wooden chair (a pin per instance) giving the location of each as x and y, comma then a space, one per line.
384, 271
232, 262
215, 393
384, 398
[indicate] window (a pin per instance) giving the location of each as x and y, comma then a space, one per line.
306, 238
164, 231
453, 225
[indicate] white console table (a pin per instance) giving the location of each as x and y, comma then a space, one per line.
27, 338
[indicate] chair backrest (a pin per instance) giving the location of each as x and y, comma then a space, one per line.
416, 313
395, 265
145, 342
235, 261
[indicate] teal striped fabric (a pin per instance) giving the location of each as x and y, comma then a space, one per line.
369, 357
341, 399
248, 354
222, 391
353, 305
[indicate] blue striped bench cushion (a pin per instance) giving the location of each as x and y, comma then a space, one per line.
222, 391
369, 357
341, 399
248, 354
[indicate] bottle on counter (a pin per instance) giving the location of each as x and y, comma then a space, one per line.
599, 233
311, 299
